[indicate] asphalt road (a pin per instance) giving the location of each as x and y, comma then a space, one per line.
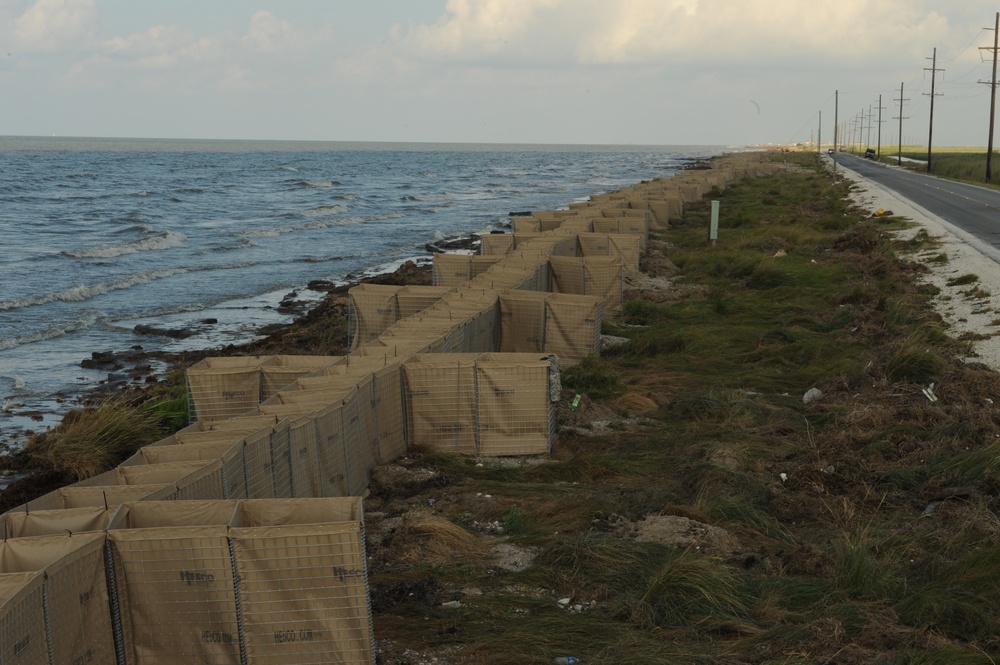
973, 209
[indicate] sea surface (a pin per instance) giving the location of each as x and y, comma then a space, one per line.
102, 235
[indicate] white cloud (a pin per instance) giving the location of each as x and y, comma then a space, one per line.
270, 35
156, 41
653, 31
55, 25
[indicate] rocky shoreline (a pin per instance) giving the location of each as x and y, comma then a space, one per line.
318, 328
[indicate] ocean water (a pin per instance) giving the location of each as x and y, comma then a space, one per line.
101, 235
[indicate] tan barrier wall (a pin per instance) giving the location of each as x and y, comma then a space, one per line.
223, 388
622, 225
501, 408
303, 582
279, 371
175, 594
59, 521
515, 415
627, 246
453, 270
76, 626
411, 300
22, 619
215, 394
567, 326
302, 592
502, 244
589, 276
372, 310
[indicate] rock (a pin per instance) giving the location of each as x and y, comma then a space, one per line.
174, 333
101, 360
812, 394
321, 285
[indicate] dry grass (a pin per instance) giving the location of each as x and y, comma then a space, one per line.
94, 440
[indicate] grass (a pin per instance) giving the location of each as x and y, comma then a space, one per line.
91, 441
837, 561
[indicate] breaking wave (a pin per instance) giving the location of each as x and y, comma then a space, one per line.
154, 243
87, 291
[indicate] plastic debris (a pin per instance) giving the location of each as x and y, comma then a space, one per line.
783, 476
929, 393
576, 402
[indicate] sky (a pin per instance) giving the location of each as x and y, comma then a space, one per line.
647, 72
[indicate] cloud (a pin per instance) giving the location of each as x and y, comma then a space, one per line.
55, 25
718, 32
268, 34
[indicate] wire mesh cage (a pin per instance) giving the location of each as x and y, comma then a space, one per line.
77, 622
22, 619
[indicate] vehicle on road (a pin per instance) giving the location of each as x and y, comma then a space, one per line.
870, 153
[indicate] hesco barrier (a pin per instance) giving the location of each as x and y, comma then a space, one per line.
269, 582
589, 276
22, 619
628, 246
60, 521
481, 404
375, 307
60, 612
564, 325
452, 270
222, 388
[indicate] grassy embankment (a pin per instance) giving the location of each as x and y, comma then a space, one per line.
878, 544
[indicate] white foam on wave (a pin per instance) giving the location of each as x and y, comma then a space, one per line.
154, 243
319, 224
86, 292
318, 183
429, 197
82, 322
325, 210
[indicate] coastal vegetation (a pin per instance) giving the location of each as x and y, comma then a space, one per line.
853, 523
786, 461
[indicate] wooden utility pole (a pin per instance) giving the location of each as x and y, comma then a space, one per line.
930, 132
993, 97
880, 107
899, 155
868, 140
836, 110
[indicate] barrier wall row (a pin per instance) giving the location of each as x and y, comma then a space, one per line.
168, 582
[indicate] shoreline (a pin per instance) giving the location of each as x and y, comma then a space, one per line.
136, 371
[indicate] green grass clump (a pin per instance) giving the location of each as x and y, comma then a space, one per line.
91, 441
594, 378
963, 280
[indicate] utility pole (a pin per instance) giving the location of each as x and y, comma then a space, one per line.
899, 155
819, 134
930, 132
993, 95
880, 108
868, 141
836, 110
